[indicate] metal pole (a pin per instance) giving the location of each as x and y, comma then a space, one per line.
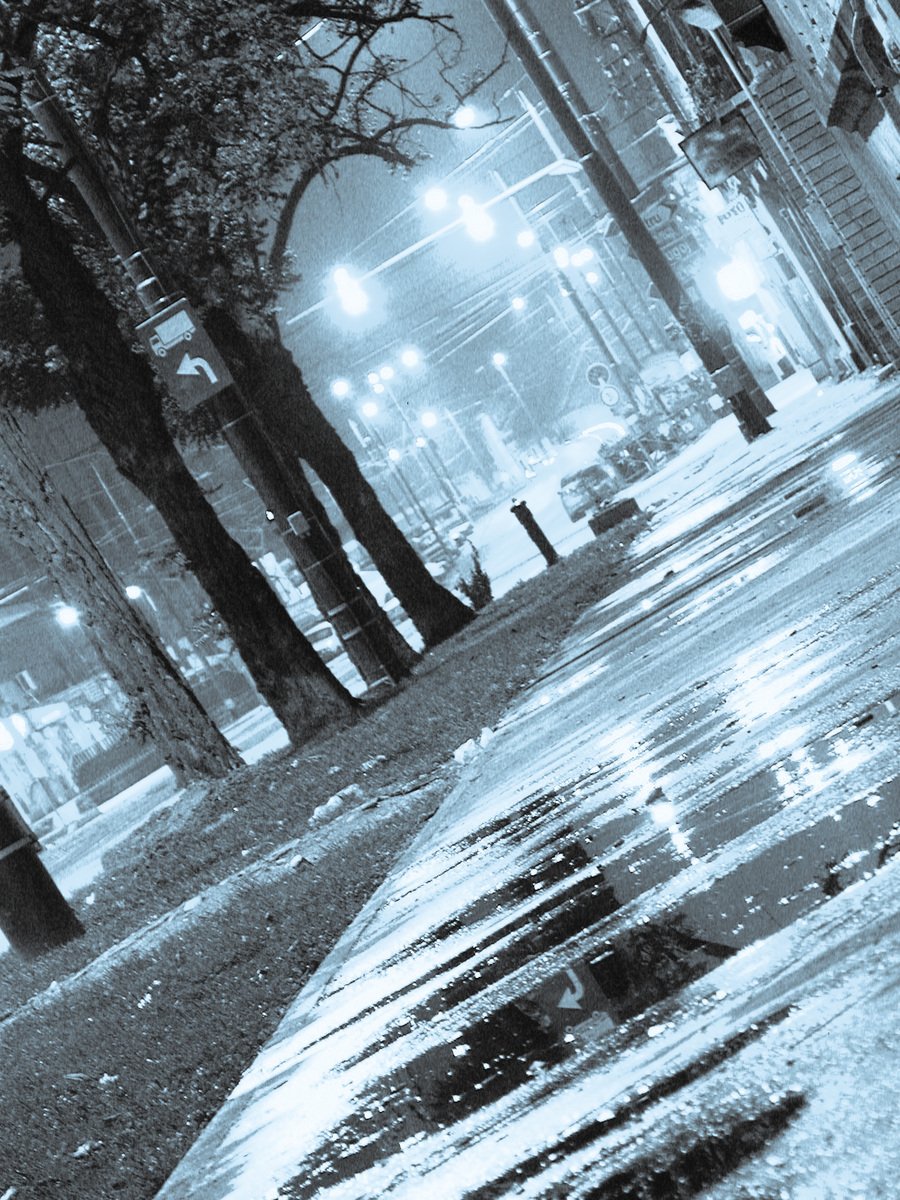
501, 370
248, 440
713, 343
34, 914
575, 183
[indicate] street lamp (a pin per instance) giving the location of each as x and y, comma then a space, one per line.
340, 388
499, 360
352, 295
465, 116
429, 419
435, 199
410, 357
738, 279
525, 238
370, 409
479, 223
517, 303
67, 616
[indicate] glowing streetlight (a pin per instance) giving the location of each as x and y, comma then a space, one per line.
591, 277
478, 221
386, 372
421, 442
435, 199
373, 378
351, 293
517, 303
561, 257
738, 279
133, 592
340, 388
429, 419
583, 256
370, 409
410, 357
525, 238
394, 455
378, 388
465, 117
67, 616
498, 358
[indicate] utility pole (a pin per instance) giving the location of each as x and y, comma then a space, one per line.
565, 283
34, 914
354, 616
607, 176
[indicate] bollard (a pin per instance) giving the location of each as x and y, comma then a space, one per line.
34, 914
525, 517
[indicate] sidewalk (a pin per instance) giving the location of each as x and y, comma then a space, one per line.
637, 939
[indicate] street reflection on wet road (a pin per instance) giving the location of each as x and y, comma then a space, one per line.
597, 921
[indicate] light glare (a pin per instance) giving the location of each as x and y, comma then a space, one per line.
67, 616
351, 293
340, 388
738, 279
435, 199
465, 117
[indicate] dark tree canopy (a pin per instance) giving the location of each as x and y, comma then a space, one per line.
213, 116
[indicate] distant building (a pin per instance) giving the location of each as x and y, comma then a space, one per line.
816, 86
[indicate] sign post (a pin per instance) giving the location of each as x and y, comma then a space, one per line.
183, 353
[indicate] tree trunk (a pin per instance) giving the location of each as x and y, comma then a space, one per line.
163, 708
117, 393
325, 552
285, 406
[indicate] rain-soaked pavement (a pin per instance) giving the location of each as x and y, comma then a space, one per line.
649, 945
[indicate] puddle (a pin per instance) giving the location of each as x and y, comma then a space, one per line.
574, 894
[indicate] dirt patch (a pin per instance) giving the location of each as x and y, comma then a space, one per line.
204, 925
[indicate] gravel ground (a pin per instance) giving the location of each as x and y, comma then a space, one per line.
204, 925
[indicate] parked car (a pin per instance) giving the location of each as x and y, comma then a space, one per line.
583, 491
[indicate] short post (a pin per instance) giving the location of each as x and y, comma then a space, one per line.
525, 517
34, 914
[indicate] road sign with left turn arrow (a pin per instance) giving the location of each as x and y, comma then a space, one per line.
183, 353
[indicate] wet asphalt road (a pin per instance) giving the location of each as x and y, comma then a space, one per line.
649, 945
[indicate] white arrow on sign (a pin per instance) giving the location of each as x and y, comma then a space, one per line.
193, 366
571, 997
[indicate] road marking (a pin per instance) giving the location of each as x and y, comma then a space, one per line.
571, 997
